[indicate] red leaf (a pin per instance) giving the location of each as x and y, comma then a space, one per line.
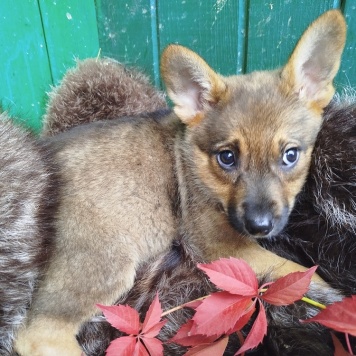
218, 313
140, 350
243, 320
340, 316
154, 331
288, 289
215, 349
183, 336
233, 275
257, 332
154, 346
122, 317
122, 346
153, 317
339, 349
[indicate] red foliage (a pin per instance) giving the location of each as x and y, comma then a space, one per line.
340, 316
339, 349
288, 289
223, 313
215, 348
141, 340
232, 275
228, 311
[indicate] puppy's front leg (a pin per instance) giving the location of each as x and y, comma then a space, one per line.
265, 262
50, 337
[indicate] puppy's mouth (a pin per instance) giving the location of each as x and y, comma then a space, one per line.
258, 224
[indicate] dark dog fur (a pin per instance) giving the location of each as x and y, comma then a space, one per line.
99, 89
25, 229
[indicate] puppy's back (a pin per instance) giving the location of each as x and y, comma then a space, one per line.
126, 164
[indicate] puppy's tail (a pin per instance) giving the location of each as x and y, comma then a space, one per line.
25, 231
98, 89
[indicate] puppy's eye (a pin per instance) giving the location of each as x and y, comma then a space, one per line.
290, 157
226, 159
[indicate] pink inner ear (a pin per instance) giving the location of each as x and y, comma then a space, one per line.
316, 71
191, 96
314, 76
311, 84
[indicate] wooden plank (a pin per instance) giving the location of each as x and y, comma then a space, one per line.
275, 27
242, 28
24, 65
347, 73
71, 32
127, 32
210, 28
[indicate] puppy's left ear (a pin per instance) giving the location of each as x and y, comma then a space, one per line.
316, 60
191, 84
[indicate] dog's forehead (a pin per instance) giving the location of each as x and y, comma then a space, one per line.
258, 91
258, 110
258, 100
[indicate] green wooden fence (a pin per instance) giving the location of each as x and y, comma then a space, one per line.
41, 38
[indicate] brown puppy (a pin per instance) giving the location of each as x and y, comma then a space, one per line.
222, 170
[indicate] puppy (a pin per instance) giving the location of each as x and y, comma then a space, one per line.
314, 235
222, 170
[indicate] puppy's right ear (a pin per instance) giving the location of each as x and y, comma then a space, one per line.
316, 59
191, 84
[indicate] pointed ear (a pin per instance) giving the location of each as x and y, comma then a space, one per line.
316, 60
191, 84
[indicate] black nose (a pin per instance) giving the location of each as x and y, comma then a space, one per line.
259, 225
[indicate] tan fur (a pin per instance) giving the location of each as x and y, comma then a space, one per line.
129, 187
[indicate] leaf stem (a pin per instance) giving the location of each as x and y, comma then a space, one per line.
183, 305
313, 302
348, 343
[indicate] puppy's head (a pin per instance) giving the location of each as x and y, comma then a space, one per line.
249, 138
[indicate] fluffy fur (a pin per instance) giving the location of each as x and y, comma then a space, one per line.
98, 89
25, 230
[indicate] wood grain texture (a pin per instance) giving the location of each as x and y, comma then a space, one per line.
41, 38
232, 36
40, 41
71, 32
24, 66
125, 32
275, 27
